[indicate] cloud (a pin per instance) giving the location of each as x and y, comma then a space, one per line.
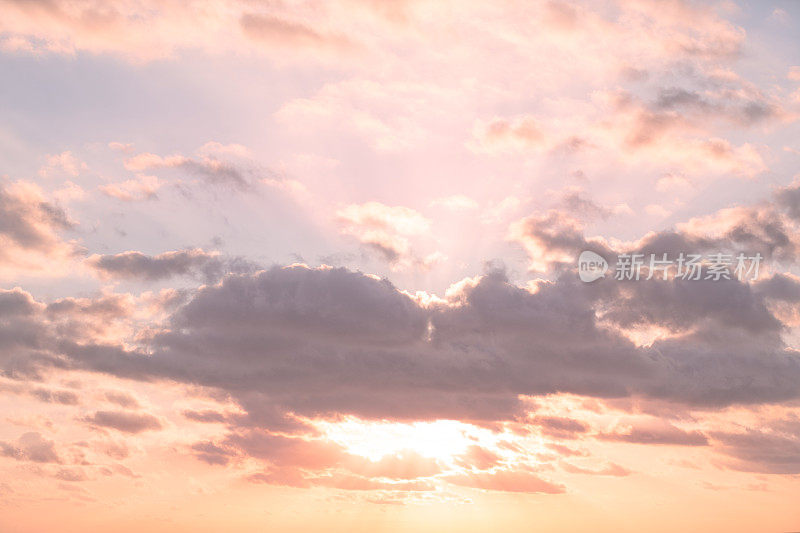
71, 474
275, 340
554, 239
212, 454
136, 265
280, 32
457, 202
231, 149
679, 126
384, 229
125, 148
149, 30
288, 346
207, 415
788, 198
405, 465
506, 481
124, 421
207, 166
560, 427
63, 397
142, 188
31, 447
576, 203
43, 394
679, 130
612, 469
30, 230
665, 434
284, 451
115, 449
508, 135
16, 302
746, 109
65, 163
780, 15
122, 398
295, 478
388, 115
762, 451
478, 457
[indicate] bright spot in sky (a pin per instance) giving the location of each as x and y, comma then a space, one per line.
440, 439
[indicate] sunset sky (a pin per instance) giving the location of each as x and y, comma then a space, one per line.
305, 265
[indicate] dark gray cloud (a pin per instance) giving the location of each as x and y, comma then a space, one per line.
326, 341
123, 399
124, 421
236, 174
663, 434
218, 172
210, 453
206, 415
136, 265
63, 397
788, 198
728, 103
71, 474
779, 287
31, 447
329, 341
561, 427
191, 262
26, 337
16, 302
552, 237
762, 450
579, 205
681, 305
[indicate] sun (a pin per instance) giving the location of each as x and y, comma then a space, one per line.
440, 439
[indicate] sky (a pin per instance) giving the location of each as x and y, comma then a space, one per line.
294, 265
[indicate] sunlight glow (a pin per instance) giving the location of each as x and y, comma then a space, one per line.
441, 439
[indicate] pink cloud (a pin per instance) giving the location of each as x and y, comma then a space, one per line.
507, 481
